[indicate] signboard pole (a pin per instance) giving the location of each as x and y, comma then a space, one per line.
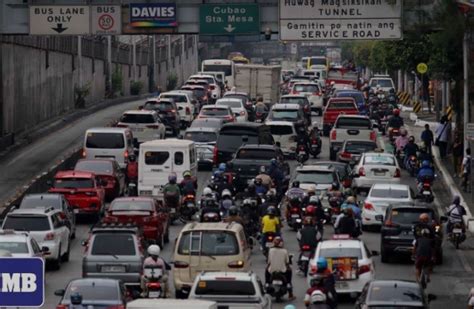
109, 62
134, 59
154, 63
79, 58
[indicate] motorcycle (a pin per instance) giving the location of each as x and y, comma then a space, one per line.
424, 190
412, 165
393, 133
154, 284
305, 256
188, 208
132, 188
172, 202
260, 116
315, 147
295, 218
211, 217
301, 154
457, 235
278, 287
318, 300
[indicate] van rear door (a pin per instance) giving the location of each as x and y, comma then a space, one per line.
155, 166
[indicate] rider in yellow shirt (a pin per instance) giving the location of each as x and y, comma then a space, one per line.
270, 224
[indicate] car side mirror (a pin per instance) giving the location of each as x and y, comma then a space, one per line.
60, 292
379, 218
443, 219
374, 252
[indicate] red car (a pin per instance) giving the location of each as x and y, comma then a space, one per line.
83, 190
107, 170
145, 212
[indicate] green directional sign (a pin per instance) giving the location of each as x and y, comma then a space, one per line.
229, 19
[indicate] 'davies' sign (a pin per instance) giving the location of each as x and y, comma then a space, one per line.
153, 15
340, 19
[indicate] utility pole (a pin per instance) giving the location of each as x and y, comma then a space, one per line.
134, 59
79, 58
183, 46
155, 79
109, 63
465, 56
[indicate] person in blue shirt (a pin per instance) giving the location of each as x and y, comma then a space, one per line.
425, 172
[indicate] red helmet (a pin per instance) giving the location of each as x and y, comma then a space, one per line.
396, 112
310, 210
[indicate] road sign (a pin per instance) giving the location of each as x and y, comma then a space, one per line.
106, 19
60, 19
340, 20
469, 131
153, 15
422, 68
229, 19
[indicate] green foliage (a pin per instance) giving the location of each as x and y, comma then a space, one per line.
117, 81
80, 95
135, 87
171, 81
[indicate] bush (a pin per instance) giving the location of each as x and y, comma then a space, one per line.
171, 81
80, 94
135, 87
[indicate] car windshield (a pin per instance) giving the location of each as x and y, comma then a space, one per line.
206, 123
232, 142
176, 98
201, 137
384, 83
73, 183
281, 130
226, 68
314, 177
124, 205
398, 293
227, 286
212, 243
359, 97
198, 92
256, 154
26, 223
407, 216
389, 193
230, 103
359, 147
105, 140
340, 105
137, 118
92, 291
340, 252
240, 97
294, 100
40, 201
97, 167
350, 123
113, 244
14, 247
284, 114
379, 160
306, 88
219, 112
161, 106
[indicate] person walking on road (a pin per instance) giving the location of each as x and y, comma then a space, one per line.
457, 150
466, 169
443, 132
427, 138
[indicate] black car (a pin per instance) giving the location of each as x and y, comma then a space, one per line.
397, 230
392, 294
95, 292
168, 112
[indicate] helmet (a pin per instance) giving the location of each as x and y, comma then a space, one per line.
425, 163
396, 112
424, 217
172, 178
233, 211
403, 132
411, 139
226, 193
271, 210
310, 211
314, 200
216, 175
222, 167
318, 297
154, 250
278, 242
350, 200
295, 184
425, 232
335, 186
263, 169
312, 190
207, 191
456, 200
132, 158
321, 263
274, 162
230, 165
290, 306
187, 174
333, 83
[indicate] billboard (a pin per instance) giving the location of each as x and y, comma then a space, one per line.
306, 20
153, 15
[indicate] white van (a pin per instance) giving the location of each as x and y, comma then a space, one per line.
159, 158
109, 143
171, 303
284, 132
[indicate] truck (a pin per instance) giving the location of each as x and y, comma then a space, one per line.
344, 76
259, 80
334, 108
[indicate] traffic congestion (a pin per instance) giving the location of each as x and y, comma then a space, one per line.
248, 187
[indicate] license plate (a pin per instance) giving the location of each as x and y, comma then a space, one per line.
113, 269
295, 216
379, 173
139, 129
304, 258
277, 282
457, 231
172, 210
76, 211
154, 294
269, 244
342, 285
426, 193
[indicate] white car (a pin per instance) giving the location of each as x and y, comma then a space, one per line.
385, 82
237, 107
213, 84
284, 132
231, 290
145, 125
382, 195
186, 103
349, 259
313, 92
376, 167
20, 244
47, 227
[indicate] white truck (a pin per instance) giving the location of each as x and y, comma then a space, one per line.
259, 80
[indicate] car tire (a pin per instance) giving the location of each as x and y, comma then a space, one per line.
66, 255
56, 264
384, 258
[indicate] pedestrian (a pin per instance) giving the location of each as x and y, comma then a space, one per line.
457, 150
427, 138
443, 132
466, 169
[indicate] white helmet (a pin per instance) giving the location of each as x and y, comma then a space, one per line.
226, 192
318, 297
154, 250
207, 191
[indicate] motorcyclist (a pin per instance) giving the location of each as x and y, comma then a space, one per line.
455, 215
392, 98
295, 190
317, 293
234, 216
220, 183
346, 224
328, 282
172, 192
395, 121
259, 105
423, 250
401, 140
279, 261
424, 223
426, 172
334, 194
308, 235
424, 155
410, 149
132, 168
318, 215
266, 179
270, 224
311, 191
211, 206
189, 184
303, 138
226, 201
276, 173
260, 188
154, 259
351, 203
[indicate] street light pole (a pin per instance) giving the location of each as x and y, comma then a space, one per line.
465, 55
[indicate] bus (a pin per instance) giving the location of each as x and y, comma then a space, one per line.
315, 62
221, 65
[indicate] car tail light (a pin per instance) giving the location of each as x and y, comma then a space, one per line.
295, 209
188, 111
369, 206
346, 155
295, 92
333, 134
153, 126
269, 238
91, 193
305, 247
125, 155
49, 236
230, 118
397, 173
314, 141
373, 136
154, 284
84, 152
236, 264
62, 307
364, 269
361, 171
121, 125
212, 87
389, 223
180, 264
214, 155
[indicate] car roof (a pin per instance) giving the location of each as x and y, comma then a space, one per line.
201, 76
193, 87
341, 99
96, 281
341, 243
390, 186
169, 142
70, 174
354, 116
43, 196
240, 275
279, 123
176, 92
12, 235
306, 83
139, 112
159, 100
214, 106
405, 284
315, 168
240, 93
359, 140
243, 124
219, 226
107, 130
258, 146
293, 96
373, 153
228, 99
286, 106
33, 211
134, 198
96, 160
